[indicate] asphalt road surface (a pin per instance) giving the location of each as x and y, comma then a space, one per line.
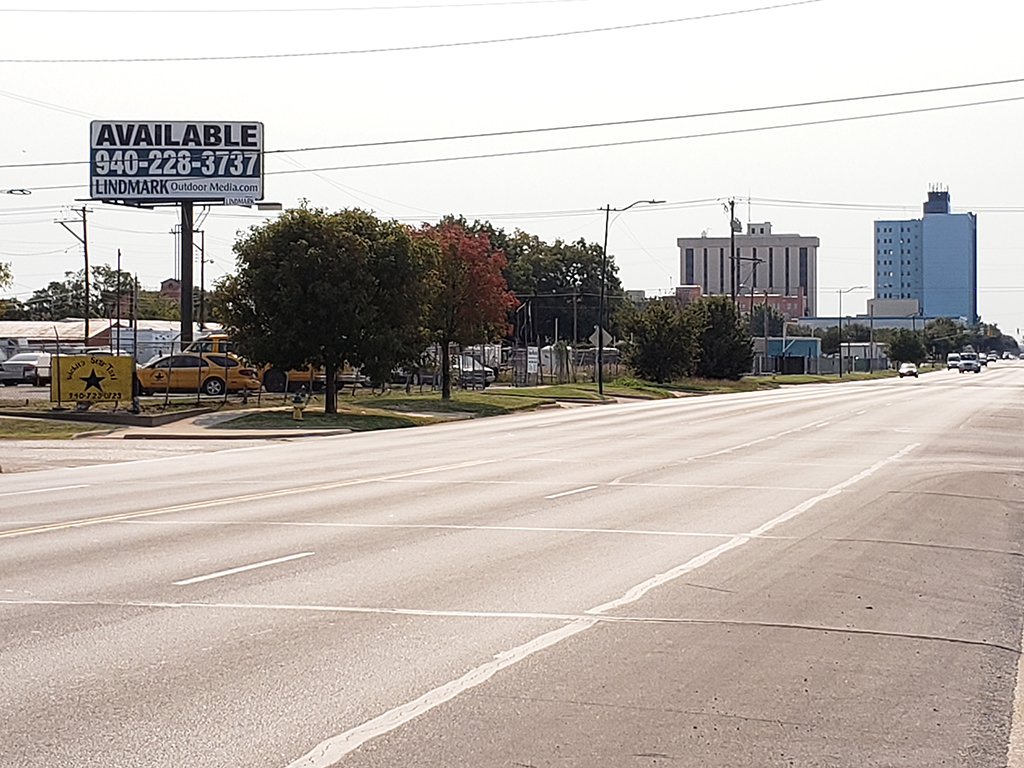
818, 576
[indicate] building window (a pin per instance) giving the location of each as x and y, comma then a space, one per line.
787, 272
771, 267
704, 275
803, 269
721, 270
753, 267
689, 267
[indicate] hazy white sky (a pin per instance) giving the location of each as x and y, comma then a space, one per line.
651, 59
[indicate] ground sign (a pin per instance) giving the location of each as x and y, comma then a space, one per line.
135, 161
91, 378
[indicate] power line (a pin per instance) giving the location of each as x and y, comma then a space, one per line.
424, 47
640, 121
46, 104
631, 142
772, 202
179, 11
584, 126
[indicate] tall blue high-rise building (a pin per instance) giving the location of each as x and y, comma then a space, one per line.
933, 259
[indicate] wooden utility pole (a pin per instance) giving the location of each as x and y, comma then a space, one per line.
84, 240
732, 248
186, 271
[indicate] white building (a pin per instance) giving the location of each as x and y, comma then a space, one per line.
785, 265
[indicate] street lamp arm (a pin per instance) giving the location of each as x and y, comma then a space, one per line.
604, 277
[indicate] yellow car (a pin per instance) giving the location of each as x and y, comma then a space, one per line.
210, 374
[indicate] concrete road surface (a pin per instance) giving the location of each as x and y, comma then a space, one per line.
818, 576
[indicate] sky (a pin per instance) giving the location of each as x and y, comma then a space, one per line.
690, 102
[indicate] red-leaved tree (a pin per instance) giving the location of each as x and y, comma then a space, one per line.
469, 298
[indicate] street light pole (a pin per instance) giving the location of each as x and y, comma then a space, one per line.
841, 291
604, 278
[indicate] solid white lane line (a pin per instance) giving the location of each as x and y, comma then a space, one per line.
570, 493
1015, 747
331, 750
240, 569
43, 490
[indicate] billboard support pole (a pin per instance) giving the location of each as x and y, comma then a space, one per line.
186, 272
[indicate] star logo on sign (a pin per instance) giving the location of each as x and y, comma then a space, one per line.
92, 380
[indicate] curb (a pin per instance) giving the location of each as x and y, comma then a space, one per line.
207, 434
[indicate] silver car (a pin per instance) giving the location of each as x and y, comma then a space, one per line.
26, 368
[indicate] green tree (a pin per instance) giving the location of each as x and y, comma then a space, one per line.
829, 340
726, 349
662, 346
155, 306
562, 283
756, 320
66, 298
6, 281
469, 298
13, 309
942, 336
858, 333
906, 346
324, 290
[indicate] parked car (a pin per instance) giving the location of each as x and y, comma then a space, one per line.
470, 373
277, 380
210, 374
26, 368
908, 369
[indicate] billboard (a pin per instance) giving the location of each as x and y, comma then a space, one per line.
169, 162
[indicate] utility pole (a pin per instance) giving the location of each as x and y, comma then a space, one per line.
732, 248
766, 326
118, 300
84, 240
871, 339
202, 279
186, 272
840, 334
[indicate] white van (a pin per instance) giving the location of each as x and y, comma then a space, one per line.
953, 361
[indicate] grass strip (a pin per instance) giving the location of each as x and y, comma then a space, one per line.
40, 429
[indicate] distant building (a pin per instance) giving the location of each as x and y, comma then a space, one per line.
933, 260
790, 307
687, 293
636, 297
783, 265
171, 288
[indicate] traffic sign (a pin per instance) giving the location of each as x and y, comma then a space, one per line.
606, 338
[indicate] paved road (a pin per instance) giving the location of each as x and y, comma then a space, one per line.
821, 576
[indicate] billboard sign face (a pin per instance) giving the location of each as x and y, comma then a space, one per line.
170, 162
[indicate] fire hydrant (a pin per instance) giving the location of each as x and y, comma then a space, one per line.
298, 403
